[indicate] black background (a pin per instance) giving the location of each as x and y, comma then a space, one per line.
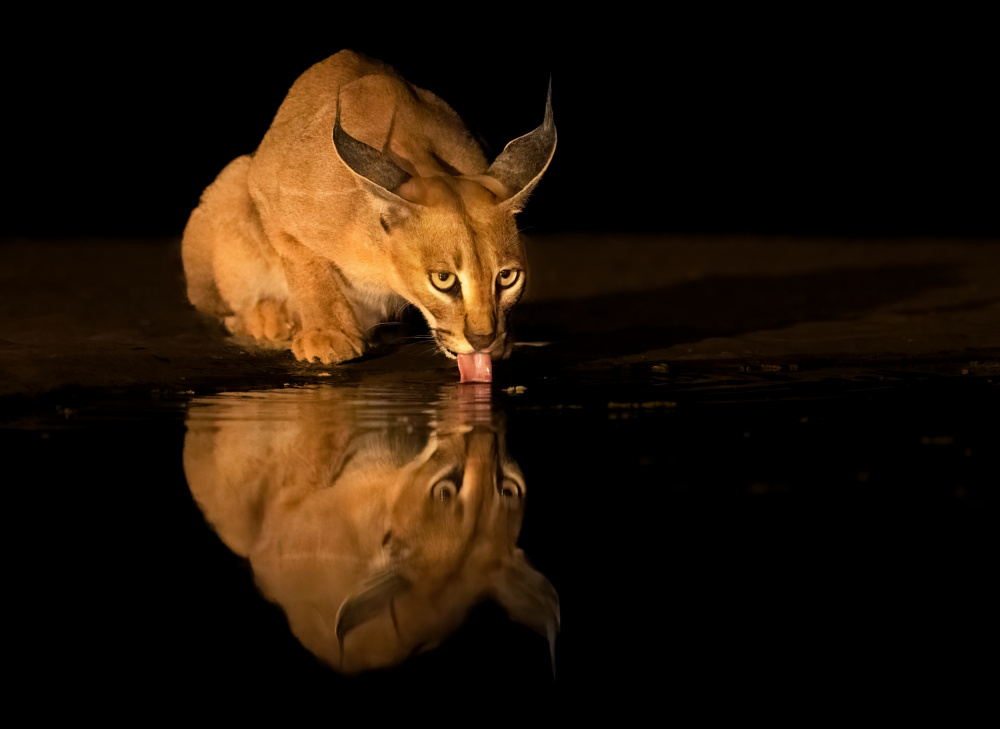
805, 124
713, 123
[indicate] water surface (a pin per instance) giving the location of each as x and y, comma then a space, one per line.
680, 537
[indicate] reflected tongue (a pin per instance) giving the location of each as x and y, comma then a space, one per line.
475, 367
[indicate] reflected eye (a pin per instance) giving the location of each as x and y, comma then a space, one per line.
508, 277
443, 280
444, 490
510, 489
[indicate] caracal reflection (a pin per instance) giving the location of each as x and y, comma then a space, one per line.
376, 524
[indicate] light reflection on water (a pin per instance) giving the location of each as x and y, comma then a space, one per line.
375, 517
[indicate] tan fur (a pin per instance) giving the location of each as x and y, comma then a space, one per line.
290, 245
344, 524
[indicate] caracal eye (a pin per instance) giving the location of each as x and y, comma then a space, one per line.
443, 280
510, 489
444, 490
508, 277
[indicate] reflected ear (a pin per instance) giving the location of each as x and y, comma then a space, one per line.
374, 596
531, 600
523, 161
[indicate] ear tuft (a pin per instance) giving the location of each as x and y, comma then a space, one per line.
523, 161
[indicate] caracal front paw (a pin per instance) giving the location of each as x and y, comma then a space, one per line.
267, 320
329, 347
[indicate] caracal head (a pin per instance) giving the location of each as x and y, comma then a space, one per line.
451, 240
450, 542
458, 257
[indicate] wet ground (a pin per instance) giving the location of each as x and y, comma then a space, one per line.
753, 475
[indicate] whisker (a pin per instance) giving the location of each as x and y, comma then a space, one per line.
414, 338
395, 318
428, 349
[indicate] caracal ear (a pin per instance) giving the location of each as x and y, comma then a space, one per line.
530, 599
523, 161
374, 596
375, 170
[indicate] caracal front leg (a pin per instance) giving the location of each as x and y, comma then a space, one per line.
328, 331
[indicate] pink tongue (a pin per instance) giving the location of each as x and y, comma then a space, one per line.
475, 367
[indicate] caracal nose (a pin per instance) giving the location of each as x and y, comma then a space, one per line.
480, 462
480, 341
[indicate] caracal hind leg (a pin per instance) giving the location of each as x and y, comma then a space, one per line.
267, 320
197, 252
232, 272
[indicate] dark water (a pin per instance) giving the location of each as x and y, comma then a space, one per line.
719, 542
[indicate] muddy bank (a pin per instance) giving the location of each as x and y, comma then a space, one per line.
113, 313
